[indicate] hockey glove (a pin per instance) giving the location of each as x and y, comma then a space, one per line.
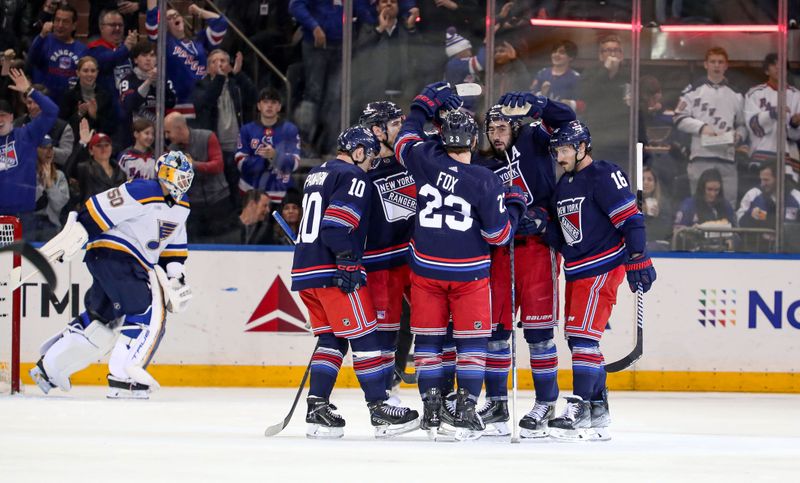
348, 276
432, 97
452, 103
514, 196
536, 104
640, 272
534, 222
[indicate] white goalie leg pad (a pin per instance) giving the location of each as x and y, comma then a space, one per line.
75, 350
131, 356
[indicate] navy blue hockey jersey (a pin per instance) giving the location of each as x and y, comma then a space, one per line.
336, 197
597, 214
391, 220
461, 209
273, 177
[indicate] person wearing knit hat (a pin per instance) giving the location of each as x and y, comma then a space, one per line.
455, 44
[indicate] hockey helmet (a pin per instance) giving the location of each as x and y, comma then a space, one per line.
379, 113
353, 137
495, 114
459, 130
174, 171
572, 134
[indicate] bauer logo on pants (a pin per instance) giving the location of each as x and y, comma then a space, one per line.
398, 196
569, 215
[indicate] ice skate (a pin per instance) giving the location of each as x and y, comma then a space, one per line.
431, 409
535, 423
39, 376
390, 421
573, 424
494, 414
126, 389
323, 422
460, 419
601, 418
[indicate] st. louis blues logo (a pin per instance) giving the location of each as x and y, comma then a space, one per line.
398, 196
516, 176
165, 229
569, 215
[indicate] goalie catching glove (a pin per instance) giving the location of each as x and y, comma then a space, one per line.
68, 242
176, 292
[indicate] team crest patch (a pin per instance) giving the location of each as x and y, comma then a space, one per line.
515, 175
398, 196
8, 156
381, 314
165, 229
569, 215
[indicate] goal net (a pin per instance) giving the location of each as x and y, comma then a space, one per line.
10, 231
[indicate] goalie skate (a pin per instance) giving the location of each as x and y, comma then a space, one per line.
495, 415
323, 422
40, 377
122, 389
390, 421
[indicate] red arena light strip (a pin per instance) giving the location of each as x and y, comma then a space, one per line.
720, 28
581, 24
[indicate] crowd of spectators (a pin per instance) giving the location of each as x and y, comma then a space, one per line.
247, 138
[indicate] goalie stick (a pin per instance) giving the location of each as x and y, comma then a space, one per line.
638, 348
278, 427
39, 262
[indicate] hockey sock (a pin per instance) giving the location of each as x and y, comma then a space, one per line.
498, 363
388, 347
587, 364
325, 364
448, 363
471, 363
544, 363
600, 385
368, 366
428, 361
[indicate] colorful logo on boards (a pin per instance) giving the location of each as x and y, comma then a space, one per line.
277, 312
717, 307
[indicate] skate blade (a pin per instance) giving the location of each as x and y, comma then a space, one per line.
39, 379
569, 435
391, 430
316, 431
598, 434
125, 394
497, 429
534, 433
452, 434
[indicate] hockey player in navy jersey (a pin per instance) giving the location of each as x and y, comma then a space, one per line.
601, 236
520, 155
462, 209
328, 272
135, 252
391, 221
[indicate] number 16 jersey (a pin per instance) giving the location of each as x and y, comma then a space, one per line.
336, 197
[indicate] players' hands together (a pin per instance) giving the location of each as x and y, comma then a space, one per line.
348, 276
533, 222
640, 272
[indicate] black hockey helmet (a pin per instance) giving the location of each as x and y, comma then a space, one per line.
459, 130
495, 114
353, 137
572, 134
378, 113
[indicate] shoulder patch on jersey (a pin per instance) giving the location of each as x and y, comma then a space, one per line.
145, 190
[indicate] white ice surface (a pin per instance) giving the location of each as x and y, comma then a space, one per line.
196, 434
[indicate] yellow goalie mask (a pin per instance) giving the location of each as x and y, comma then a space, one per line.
175, 173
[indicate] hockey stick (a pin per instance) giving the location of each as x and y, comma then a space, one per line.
514, 385
469, 89
278, 427
39, 262
638, 349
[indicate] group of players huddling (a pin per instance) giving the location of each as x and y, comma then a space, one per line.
404, 213
417, 215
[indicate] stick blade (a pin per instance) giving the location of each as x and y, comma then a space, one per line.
274, 429
469, 89
516, 111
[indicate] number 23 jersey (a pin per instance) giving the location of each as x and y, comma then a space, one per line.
336, 197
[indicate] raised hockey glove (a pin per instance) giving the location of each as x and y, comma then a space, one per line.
534, 222
432, 97
348, 276
535, 104
640, 271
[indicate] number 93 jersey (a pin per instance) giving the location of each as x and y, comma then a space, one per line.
336, 198
460, 212
136, 218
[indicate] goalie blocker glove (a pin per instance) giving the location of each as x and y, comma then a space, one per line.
640, 271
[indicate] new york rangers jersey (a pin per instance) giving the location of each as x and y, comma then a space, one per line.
461, 209
115, 65
336, 198
597, 215
137, 220
564, 86
256, 172
391, 220
187, 58
54, 63
137, 164
532, 166
134, 104
761, 116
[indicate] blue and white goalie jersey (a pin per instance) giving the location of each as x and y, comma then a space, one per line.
136, 219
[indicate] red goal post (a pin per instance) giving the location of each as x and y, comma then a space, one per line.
10, 308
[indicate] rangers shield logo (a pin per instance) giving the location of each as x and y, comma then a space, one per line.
398, 196
516, 176
569, 215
